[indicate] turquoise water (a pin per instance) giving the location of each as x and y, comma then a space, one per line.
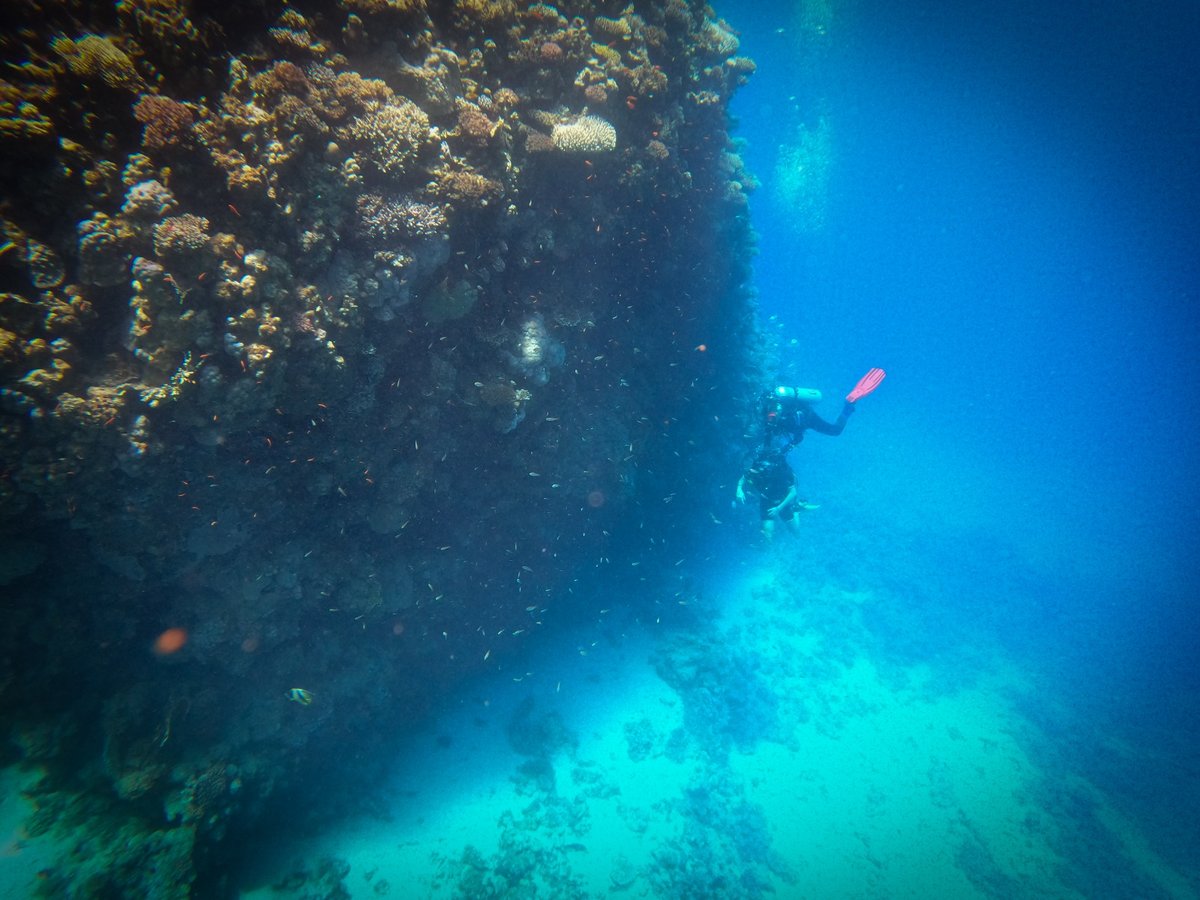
828, 718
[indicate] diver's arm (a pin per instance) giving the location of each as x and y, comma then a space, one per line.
833, 429
774, 511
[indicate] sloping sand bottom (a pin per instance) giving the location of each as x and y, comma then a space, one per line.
770, 748
25, 849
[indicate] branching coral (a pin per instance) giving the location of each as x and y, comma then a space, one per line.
282, 78
475, 127
168, 122
587, 134
381, 220
391, 136
468, 187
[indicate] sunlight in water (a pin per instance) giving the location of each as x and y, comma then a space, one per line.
813, 18
802, 175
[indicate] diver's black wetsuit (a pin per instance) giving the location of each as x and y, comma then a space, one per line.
772, 479
791, 420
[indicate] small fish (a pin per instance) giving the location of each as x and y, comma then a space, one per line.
301, 696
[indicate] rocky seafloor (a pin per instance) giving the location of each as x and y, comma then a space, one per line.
349, 344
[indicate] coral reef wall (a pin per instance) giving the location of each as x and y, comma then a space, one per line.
346, 338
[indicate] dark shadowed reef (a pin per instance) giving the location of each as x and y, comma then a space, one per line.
350, 339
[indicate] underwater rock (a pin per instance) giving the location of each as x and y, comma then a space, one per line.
378, 324
45, 268
450, 300
623, 873
105, 250
19, 558
148, 200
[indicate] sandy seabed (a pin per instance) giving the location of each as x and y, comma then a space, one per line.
770, 748
771, 742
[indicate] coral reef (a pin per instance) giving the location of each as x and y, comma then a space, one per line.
339, 336
587, 134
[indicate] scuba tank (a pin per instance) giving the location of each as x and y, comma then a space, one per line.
781, 405
798, 395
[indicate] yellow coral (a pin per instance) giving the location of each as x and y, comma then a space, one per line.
174, 386
467, 11
361, 93
607, 56
468, 187
93, 56
19, 118
391, 135
617, 28
378, 6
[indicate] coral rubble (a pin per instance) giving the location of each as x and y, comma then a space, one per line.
341, 336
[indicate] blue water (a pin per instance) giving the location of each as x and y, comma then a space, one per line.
1010, 230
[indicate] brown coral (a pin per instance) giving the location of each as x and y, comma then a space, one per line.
657, 149
595, 94
381, 6
536, 142
506, 99
168, 122
468, 12
180, 236
468, 187
474, 126
360, 93
282, 78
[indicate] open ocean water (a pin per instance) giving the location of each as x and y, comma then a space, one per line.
972, 672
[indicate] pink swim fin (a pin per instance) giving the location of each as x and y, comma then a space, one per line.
865, 385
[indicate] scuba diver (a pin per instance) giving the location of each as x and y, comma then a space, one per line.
789, 411
773, 480
788, 414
